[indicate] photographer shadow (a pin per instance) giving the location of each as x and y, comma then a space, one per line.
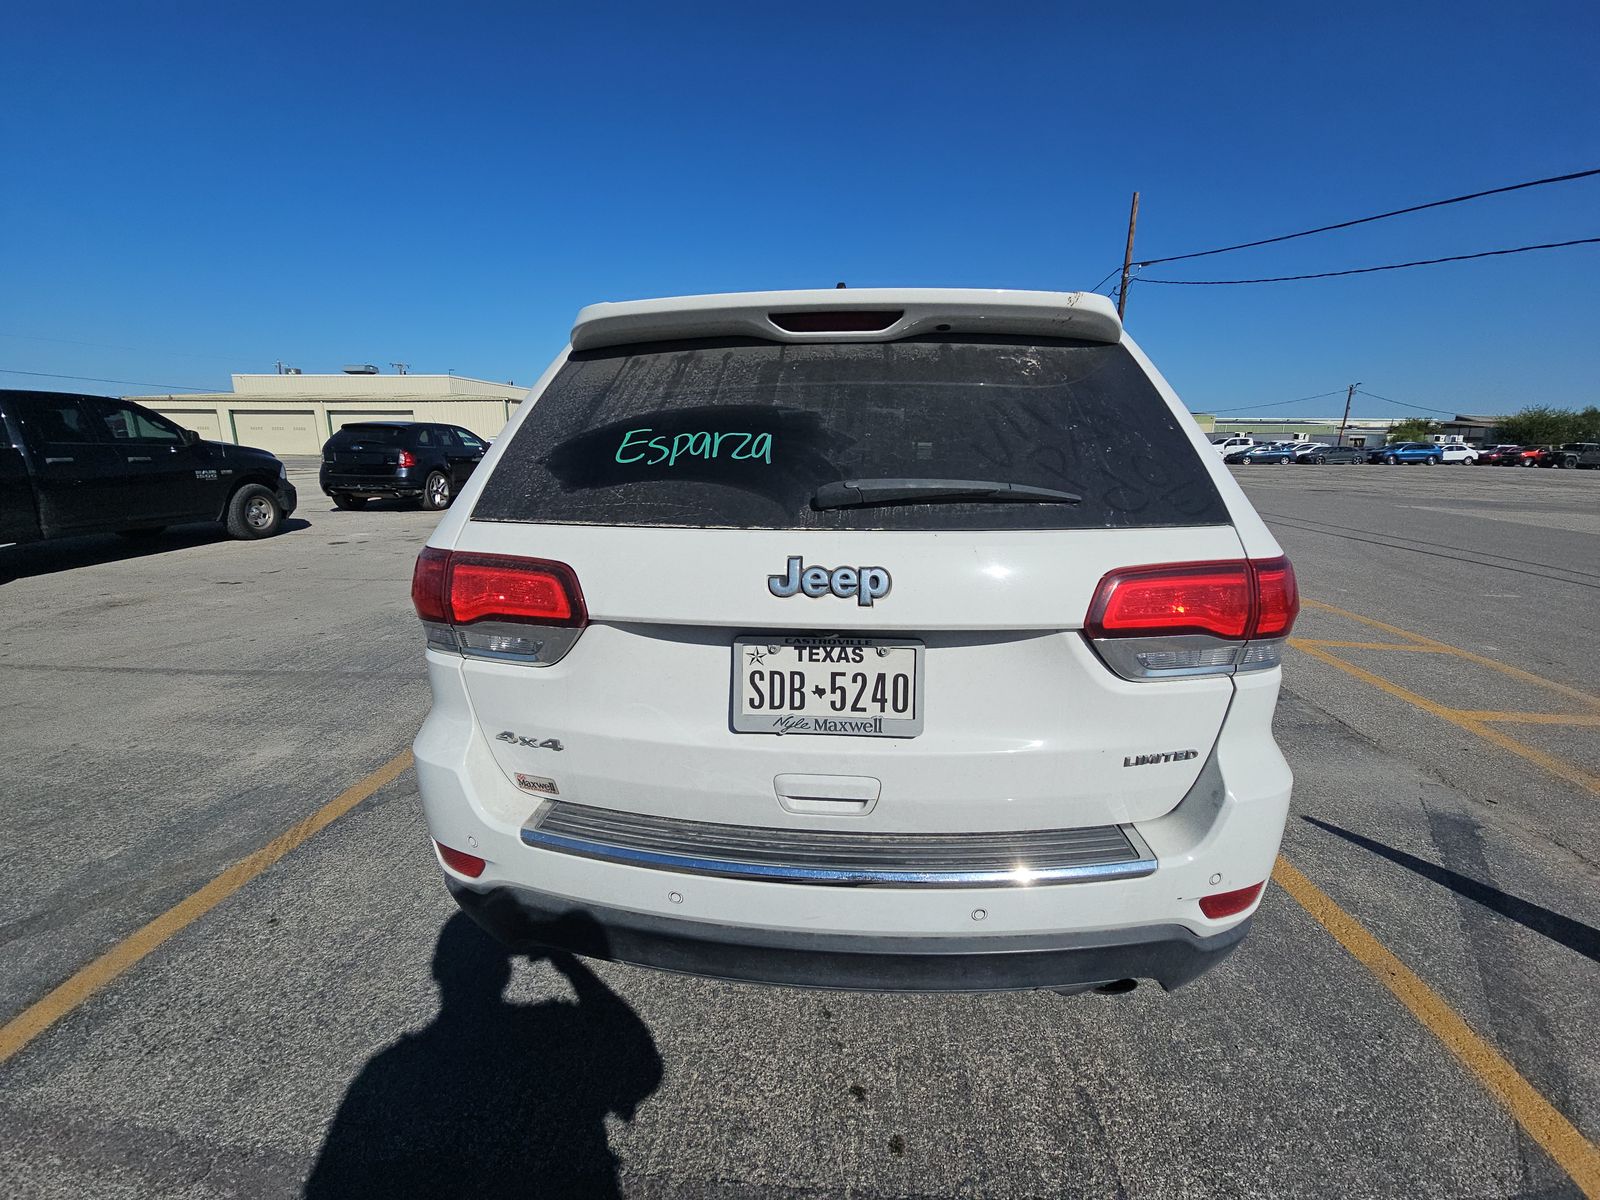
492, 1098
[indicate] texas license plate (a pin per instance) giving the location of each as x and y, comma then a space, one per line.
861, 686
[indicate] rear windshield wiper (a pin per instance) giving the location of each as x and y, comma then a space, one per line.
864, 493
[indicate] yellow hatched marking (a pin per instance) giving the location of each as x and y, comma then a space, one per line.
1530, 718
1445, 648
1544, 1123
1539, 758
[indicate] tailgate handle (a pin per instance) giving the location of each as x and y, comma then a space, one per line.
827, 794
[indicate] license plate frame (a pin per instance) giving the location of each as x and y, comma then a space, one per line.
782, 651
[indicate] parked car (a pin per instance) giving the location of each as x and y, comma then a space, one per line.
718, 687
414, 460
1235, 457
1337, 454
1529, 456
73, 464
1230, 445
1498, 456
1278, 452
1571, 454
1459, 453
1307, 451
1405, 453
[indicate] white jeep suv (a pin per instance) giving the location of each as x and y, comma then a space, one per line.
892, 639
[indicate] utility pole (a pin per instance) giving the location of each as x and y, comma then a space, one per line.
1127, 259
1345, 420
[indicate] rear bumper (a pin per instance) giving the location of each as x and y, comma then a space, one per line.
527, 920
926, 934
399, 482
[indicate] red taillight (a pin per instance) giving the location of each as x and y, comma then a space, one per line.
495, 587
1235, 601
460, 589
1178, 598
1277, 598
461, 862
1229, 904
427, 584
407, 459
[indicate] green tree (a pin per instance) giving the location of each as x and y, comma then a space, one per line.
1541, 425
1413, 429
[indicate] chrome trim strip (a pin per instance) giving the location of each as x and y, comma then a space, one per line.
831, 857
1135, 839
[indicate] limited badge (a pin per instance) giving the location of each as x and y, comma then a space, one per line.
537, 783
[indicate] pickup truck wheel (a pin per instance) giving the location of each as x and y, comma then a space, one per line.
253, 512
436, 491
348, 503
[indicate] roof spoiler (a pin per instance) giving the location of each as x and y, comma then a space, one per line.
848, 315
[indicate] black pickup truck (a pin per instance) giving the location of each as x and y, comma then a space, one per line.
72, 464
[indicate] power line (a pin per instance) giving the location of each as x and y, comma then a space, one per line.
1286, 237
1403, 404
1421, 262
1106, 280
1277, 403
1335, 392
171, 387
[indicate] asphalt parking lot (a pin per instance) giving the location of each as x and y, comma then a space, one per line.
1414, 1013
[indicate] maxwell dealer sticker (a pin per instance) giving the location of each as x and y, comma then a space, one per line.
537, 783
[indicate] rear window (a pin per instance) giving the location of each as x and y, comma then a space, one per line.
371, 435
741, 434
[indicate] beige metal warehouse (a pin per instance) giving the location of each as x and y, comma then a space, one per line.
295, 414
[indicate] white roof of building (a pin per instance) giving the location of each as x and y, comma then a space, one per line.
905, 312
351, 388
345, 386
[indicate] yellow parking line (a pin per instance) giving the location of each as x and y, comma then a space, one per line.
1560, 1139
1337, 645
39, 1016
1539, 758
1527, 718
1445, 648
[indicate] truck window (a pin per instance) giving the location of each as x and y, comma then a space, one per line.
128, 423
59, 420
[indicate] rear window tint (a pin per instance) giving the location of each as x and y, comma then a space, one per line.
740, 434
371, 435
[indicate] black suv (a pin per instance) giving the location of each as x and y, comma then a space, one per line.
410, 459
1572, 454
72, 464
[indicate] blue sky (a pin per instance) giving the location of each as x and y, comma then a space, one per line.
204, 188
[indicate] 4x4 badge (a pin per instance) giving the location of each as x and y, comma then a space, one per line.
533, 743
866, 584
